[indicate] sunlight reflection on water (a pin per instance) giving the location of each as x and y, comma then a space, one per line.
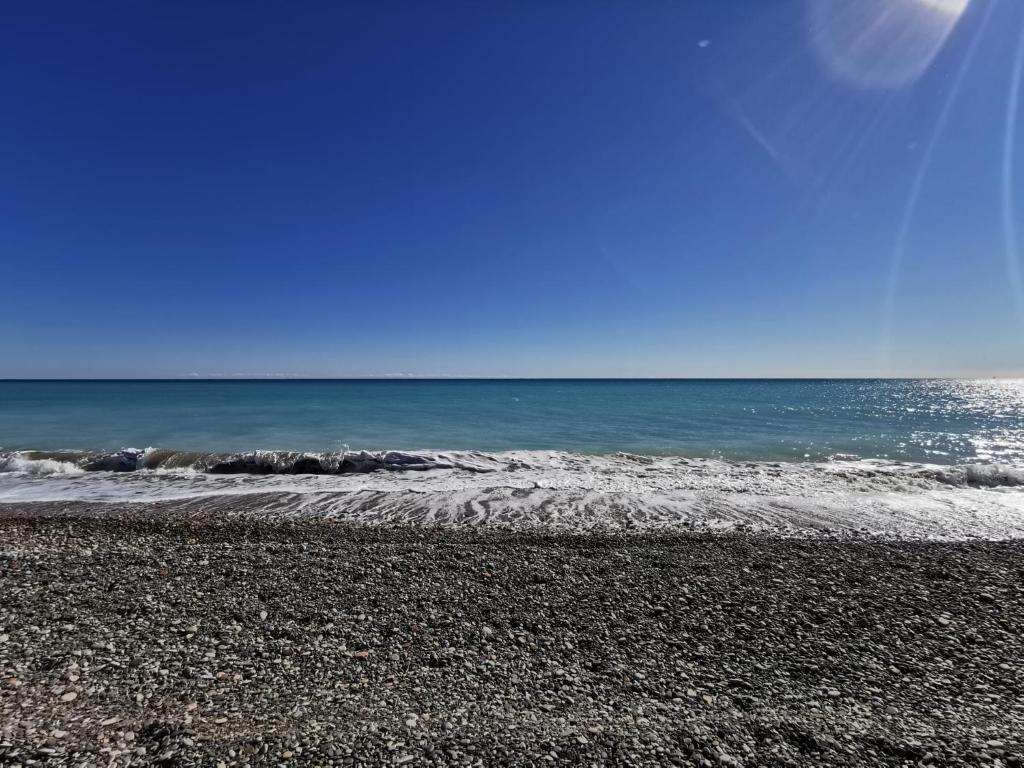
944, 421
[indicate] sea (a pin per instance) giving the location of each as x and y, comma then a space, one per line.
928, 457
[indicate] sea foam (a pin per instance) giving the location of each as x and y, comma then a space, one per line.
524, 489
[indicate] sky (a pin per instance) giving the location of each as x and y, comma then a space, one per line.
741, 188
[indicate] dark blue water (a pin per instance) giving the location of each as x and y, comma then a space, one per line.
944, 421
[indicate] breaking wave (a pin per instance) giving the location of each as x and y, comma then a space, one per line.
549, 489
980, 475
249, 463
27, 464
364, 462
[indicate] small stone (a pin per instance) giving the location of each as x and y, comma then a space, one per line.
69, 696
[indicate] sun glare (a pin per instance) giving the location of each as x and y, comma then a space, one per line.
881, 43
952, 7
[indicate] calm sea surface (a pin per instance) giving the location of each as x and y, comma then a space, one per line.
939, 421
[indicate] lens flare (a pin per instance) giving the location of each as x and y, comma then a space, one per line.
881, 43
917, 184
1010, 241
953, 7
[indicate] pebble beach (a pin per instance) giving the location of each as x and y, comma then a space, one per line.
139, 637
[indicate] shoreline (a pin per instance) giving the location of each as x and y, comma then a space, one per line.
539, 490
175, 640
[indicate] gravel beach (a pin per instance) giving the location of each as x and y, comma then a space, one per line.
145, 639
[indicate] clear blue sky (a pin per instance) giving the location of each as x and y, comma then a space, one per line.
509, 189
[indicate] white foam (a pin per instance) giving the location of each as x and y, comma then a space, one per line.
570, 491
986, 475
20, 464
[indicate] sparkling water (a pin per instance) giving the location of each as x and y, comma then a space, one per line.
933, 421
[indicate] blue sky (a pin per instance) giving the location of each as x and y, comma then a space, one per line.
519, 189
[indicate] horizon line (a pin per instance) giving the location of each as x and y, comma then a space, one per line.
403, 377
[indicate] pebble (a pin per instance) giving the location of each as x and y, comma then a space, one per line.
610, 647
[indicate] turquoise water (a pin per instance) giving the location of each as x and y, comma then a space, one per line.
938, 421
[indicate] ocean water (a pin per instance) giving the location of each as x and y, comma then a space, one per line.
937, 421
921, 458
